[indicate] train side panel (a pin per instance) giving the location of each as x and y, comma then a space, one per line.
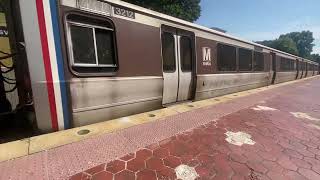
137, 82
286, 69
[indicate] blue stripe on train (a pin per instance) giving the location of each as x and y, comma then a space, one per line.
57, 41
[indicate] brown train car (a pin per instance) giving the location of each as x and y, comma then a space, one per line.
157, 60
119, 59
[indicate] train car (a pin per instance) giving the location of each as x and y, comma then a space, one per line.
299, 68
286, 68
91, 61
310, 68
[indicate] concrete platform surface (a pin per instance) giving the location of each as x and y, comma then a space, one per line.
273, 134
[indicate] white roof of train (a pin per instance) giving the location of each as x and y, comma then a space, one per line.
170, 18
186, 23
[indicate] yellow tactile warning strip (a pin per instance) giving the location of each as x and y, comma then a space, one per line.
40, 143
14, 149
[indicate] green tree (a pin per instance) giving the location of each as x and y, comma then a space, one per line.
269, 43
188, 10
315, 57
285, 44
304, 41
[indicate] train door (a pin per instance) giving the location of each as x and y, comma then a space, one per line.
297, 68
301, 68
178, 55
274, 67
306, 69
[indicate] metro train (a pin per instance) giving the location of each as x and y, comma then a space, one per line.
94, 60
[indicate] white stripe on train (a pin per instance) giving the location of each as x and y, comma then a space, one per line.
54, 64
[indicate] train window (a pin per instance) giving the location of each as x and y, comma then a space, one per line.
287, 64
105, 49
258, 61
168, 52
186, 53
92, 45
82, 45
283, 64
245, 59
226, 58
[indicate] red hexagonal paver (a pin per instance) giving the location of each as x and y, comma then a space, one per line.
128, 157
80, 176
240, 169
312, 161
267, 156
166, 173
292, 175
155, 163
186, 158
165, 143
115, 166
309, 144
287, 164
314, 150
222, 166
136, 164
96, 169
286, 147
309, 174
103, 176
172, 161
205, 172
125, 175
146, 174
305, 152
153, 146
238, 158
143, 154
301, 163
161, 152
180, 148
193, 163
257, 166
293, 153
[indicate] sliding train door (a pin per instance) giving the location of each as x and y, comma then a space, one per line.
178, 64
274, 67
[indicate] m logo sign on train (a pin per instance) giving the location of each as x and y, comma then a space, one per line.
206, 56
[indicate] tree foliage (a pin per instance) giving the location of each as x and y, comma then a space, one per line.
297, 43
188, 10
304, 41
315, 57
286, 44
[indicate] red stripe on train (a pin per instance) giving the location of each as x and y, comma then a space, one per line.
47, 66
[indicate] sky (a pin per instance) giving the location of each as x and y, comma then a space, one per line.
257, 20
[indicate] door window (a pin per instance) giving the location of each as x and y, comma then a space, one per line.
186, 53
168, 52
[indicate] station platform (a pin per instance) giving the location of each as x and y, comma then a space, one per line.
267, 133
